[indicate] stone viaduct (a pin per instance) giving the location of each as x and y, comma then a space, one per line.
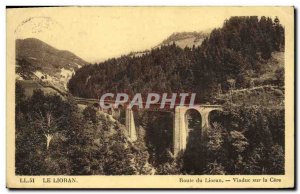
180, 121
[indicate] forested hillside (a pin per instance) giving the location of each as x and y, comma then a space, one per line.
54, 137
236, 52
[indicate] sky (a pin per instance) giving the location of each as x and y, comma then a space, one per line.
99, 33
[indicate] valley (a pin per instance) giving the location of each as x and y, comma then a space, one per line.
239, 67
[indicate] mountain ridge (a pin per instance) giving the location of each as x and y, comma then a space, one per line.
181, 39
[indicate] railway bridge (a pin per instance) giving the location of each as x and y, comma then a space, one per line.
180, 125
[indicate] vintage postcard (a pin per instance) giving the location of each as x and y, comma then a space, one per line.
150, 97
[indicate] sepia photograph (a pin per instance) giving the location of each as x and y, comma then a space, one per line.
150, 97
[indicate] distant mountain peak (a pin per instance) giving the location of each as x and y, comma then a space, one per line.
185, 39
181, 39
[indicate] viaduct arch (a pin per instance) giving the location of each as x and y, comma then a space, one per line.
180, 130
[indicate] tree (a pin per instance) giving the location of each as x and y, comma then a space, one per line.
90, 114
24, 68
277, 160
49, 114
